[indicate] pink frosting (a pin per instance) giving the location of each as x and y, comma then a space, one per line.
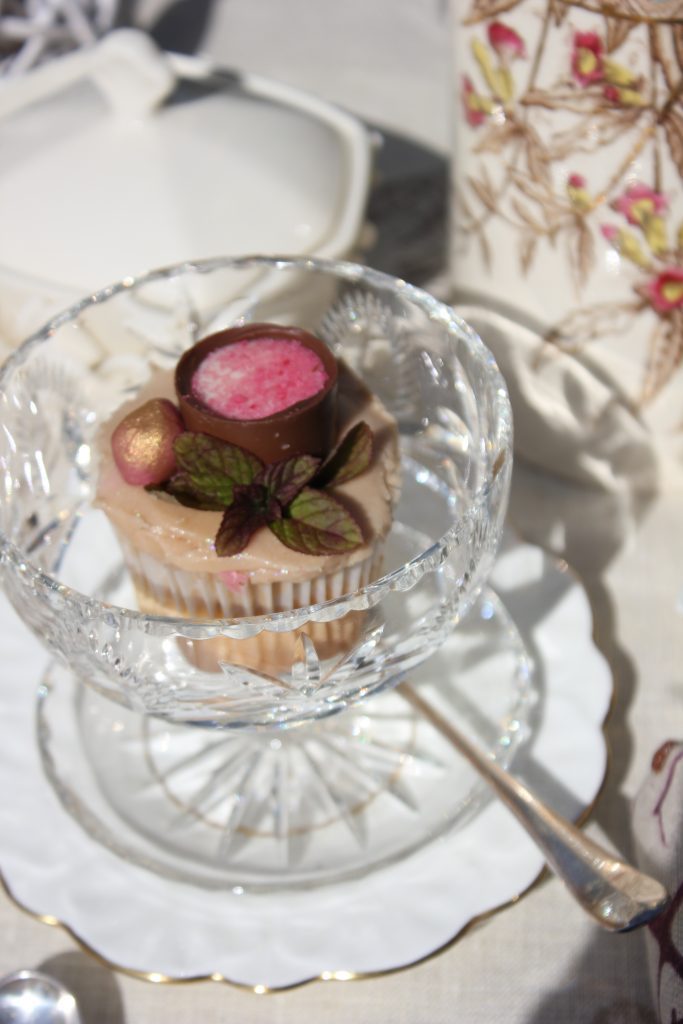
253, 379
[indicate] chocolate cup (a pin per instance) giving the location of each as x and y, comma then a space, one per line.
305, 428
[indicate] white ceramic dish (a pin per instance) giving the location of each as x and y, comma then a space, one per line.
124, 158
139, 921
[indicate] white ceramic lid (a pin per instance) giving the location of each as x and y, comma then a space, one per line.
120, 159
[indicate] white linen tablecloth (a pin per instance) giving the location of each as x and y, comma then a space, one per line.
540, 960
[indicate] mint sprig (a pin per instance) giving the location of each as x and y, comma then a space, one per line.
288, 496
213, 467
286, 478
252, 506
350, 458
317, 524
181, 487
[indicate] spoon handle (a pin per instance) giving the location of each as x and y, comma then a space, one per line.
616, 895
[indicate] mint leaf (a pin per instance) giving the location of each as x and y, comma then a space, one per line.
286, 478
259, 498
252, 507
213, 467
351, 457
315, 523
180, 487
237, 527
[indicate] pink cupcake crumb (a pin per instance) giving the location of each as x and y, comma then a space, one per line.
256, 378
233, 580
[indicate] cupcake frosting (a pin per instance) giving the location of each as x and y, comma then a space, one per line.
184, 537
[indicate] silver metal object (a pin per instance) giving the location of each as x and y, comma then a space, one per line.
615, 895
29, 997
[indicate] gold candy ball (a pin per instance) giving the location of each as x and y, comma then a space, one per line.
142, 443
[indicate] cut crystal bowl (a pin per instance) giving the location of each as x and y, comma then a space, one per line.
62, 567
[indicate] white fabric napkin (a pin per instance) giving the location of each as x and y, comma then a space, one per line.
569, 416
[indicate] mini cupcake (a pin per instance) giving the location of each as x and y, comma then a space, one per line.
260, 477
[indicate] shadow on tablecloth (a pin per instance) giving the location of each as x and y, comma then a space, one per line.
94, 986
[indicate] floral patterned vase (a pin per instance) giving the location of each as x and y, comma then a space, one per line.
568, 197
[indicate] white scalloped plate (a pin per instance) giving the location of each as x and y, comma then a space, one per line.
168, 930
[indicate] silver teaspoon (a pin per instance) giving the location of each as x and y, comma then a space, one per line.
29, 997
614, 894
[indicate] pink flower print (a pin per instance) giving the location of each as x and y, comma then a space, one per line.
643, 207
639, 203
587, 63
476, 107
578, 194
626, 244
505, 41
665, 291
622, 97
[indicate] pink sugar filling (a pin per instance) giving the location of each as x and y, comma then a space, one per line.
258, 377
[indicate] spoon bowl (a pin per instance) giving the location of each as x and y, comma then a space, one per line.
29, 997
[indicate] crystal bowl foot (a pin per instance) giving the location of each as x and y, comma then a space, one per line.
281, 808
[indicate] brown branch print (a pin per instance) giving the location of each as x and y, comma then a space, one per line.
673, 130
639, 11
677, 39
592, 323
482, 10
665, 355
616, 33
618, 91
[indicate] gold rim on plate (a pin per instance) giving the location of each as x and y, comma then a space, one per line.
338, 975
